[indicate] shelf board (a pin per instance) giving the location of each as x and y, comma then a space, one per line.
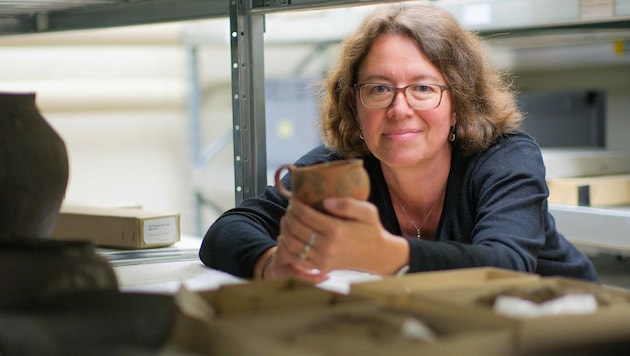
101, 14
487, 17
602, 229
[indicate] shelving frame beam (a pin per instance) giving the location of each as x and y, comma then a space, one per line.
112, 15
248, 100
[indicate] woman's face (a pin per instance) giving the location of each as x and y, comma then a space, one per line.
399, 135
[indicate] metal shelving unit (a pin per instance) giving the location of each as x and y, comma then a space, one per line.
247, 48
247, 42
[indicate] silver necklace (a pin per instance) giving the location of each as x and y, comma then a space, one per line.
418, 236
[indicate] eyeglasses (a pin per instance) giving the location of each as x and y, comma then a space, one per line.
419, 96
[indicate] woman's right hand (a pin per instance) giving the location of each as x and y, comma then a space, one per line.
281, 267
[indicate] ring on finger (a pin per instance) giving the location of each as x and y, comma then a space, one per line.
308, 245
312, 237
305, 251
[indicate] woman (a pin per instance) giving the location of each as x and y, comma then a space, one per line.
453, 182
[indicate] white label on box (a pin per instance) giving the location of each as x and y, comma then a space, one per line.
159, 231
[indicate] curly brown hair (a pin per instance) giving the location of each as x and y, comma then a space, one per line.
484, 100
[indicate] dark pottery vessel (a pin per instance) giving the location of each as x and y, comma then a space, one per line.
33, 169
33, 181
33, 270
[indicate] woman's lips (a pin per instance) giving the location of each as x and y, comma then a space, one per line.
402, 135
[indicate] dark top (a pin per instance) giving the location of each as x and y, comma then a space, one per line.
495, 214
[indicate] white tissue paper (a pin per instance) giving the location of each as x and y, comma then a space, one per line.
568, 304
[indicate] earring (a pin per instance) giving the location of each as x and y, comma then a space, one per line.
451, 136
361, 135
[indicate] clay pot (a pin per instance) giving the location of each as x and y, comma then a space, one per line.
33, 181
312, 184
33, 169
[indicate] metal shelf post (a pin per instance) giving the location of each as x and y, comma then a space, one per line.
248, 100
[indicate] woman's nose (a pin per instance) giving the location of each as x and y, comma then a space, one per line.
400, 105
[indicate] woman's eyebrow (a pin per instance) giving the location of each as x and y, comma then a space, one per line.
379, 78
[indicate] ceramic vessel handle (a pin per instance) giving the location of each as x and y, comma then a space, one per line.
279, 185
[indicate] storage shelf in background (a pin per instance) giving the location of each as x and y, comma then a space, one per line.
595, 229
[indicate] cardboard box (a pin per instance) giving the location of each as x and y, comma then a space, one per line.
290, 317
394, 291
597, 191
194, 330
260, 297
536, 335
118, 227
349, 329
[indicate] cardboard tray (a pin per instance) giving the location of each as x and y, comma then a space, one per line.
394, 291
535, 335
360, 328
195, 329
290, 317
262, 297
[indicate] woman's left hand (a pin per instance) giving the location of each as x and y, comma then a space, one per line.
350, 236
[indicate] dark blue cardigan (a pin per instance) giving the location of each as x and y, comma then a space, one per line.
495, 214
